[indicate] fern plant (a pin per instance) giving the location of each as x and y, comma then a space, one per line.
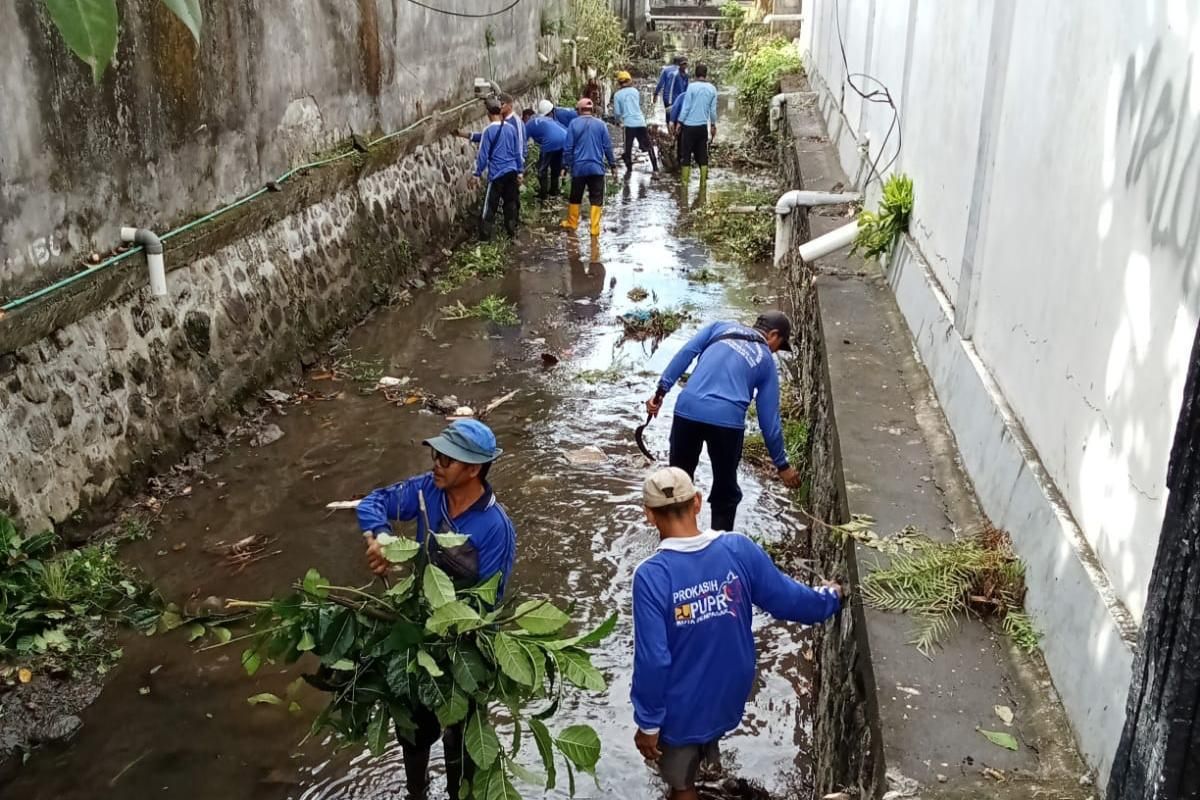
877, 231
939, 581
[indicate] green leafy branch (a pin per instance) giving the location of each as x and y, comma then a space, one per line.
877, 232
426, 645
90, 27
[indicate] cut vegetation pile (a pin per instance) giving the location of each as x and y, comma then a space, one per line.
492, 308
741, 237
58, 607
483, 260
938, 581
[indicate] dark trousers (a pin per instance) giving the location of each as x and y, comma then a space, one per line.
693, 142
725, 453
549, 169
594, 184
504, 189
416, 755
642, 137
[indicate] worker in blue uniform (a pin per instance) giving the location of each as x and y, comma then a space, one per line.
627, 108
551, 138
587, 152
672, 81
697, 125
734, 365
502, 157
694, 653
457, 498
562, 115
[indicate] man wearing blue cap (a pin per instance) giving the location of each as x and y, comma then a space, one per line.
458, 499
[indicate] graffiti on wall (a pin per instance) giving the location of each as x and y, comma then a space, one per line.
1164, 154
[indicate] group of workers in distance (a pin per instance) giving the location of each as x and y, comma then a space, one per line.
692, 599
577, 142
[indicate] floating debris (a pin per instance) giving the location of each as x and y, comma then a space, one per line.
653, 323
244, 551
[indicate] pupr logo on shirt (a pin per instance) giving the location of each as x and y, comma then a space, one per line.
707, 600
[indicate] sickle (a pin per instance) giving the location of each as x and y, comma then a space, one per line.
637, 435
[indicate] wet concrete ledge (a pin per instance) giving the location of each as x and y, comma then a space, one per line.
881, 446
104, 381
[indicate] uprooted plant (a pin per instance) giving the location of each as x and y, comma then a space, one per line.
878, 231
424, 646
654, 324
938, 581
57, 606
492, 308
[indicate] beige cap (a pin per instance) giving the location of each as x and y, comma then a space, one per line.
666, 487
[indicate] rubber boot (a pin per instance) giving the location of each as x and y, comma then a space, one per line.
597, 212
703, 176
685, 175
572, 220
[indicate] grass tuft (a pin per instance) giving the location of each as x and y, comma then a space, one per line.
492, 308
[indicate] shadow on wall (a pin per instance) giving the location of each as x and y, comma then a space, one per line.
1150, 174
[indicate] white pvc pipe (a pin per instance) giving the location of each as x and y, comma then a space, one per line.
777, 107
796, 198
836, 239
154, 257
769, 18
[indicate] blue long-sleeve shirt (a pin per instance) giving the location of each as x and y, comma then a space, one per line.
564, 116
550, 136
699, 105
671, 84
729, 373
500, 151
589, 149
627, 107
676, 107
694, 654
491, 545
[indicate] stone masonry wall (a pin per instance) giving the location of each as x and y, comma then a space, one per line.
847, 742
86, 397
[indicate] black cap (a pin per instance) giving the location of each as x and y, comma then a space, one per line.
776, 321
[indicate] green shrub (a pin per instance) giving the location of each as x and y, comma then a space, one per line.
877, 232
606, 48
757, 71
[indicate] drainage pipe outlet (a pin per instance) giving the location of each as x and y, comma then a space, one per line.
777, 106
150, 242
836, 239
798, 198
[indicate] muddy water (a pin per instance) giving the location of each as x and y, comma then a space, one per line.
175, 722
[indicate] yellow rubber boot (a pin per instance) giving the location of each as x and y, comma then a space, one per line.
572, 220
703, 175
597, 212
685, 175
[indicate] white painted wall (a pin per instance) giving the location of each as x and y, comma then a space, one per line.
1071, 192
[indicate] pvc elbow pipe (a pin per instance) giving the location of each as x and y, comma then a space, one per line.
790, 201
150, 242
776, 112
797, 198
836, 239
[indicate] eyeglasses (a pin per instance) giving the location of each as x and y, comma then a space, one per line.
442, 460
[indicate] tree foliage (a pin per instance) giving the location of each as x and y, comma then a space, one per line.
90, 27
455, 652
600, 35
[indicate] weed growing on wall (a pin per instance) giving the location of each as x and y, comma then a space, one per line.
877, 231
733, 14
424, 646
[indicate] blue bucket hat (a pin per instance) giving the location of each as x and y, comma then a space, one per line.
467, 440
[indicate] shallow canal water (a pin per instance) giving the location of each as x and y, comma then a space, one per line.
175, 722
